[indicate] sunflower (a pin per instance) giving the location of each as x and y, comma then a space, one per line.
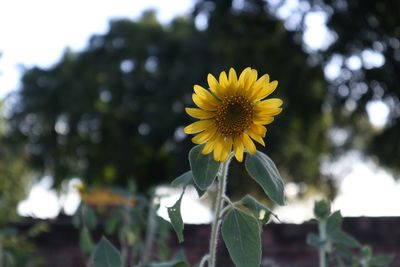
233, 113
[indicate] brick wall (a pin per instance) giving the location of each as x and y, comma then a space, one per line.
283, 244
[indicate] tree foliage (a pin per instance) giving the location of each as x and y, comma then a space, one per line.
367, 32
15, 177
115, 110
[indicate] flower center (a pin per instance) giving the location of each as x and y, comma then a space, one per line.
234, 115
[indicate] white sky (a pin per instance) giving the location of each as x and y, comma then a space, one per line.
37, 32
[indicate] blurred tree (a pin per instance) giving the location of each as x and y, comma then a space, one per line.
115, 111
366, 49
15, 177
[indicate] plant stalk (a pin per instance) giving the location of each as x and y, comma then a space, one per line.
150, 232
219, 203
322, 250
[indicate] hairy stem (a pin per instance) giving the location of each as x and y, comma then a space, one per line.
150, 232
219, 203
322, 250
204, 260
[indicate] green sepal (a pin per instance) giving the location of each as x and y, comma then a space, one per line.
263, 170
187, 179
242, 235
260, 211
204, 167
175, 216
106, 255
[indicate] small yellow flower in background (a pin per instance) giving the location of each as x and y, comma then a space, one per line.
232, 113
103, 197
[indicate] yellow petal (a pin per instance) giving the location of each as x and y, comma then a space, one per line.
244, 76
269, 113
266, 91
261, 111
199, 113
206, 135
197, 126
226, 150
232, 77
218, 147
205, 95
223, 80
201, 103
270, 103
238, 148
263, 120
209, 146
214, 86
248, 144
258, 85
264, 80
249, 79
255, 136
258, 129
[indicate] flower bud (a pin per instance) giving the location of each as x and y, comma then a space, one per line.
322, 209
366, 251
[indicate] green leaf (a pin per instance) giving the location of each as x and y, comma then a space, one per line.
112, 222
106, 255
241, 234
85, 241
334, 222
262, 169
381, 261
341, 237
314, 241
175, 216
344, 252
90, 217
204, 167
261, 212
178, 260
185, 180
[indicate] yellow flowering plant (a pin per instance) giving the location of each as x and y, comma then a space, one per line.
232, 114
